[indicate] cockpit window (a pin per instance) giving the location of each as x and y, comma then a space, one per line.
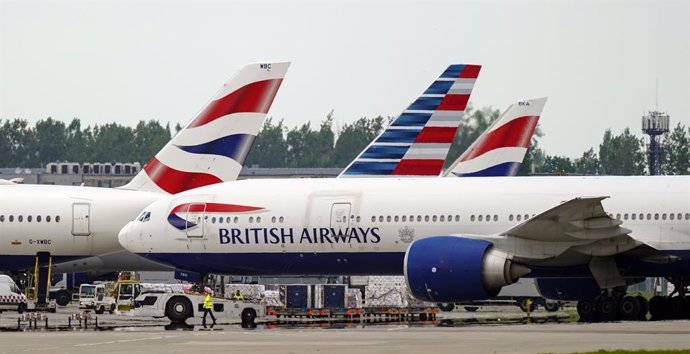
145, 216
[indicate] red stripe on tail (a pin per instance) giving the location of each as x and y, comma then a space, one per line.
255, 98
418, 167
516, 133
174, 181
470, 72
439, 135
453, 103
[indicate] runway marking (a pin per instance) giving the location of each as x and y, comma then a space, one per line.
122, 341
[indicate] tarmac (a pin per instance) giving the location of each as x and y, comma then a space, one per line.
490, 330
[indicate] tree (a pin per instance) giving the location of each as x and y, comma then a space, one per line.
16, 143
557, 165
622, 155
270, 147
355, 137
676, 160
588, 164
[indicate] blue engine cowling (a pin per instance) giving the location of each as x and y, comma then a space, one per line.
568, 289
452, 269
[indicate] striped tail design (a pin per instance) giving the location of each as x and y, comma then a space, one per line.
416, 143
499, 151
213, 147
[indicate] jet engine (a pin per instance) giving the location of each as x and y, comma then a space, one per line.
452, 269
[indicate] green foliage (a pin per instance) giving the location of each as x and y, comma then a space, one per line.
622, 155
676, 158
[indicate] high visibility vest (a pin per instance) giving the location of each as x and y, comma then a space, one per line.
237, 297
207, 302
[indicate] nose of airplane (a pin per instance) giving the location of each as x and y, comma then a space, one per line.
126, 234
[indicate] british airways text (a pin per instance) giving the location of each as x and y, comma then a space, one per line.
280, 235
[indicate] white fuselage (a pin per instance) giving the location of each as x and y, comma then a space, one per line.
299, 220
66, 221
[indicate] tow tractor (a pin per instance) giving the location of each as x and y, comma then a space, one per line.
178, 307
110, 296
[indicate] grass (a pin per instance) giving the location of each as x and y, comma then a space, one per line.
669, 351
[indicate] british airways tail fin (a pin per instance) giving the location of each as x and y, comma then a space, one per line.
416, 143
499, 151
213, 146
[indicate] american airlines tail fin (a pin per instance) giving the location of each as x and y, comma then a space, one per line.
213, 146
416, 143
499, 151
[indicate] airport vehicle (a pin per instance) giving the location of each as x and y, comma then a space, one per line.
98, 297
179, 307
11, 298
61, 223
523, 294
483, 233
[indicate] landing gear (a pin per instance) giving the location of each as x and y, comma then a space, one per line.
613, 307
629, 308
673, 307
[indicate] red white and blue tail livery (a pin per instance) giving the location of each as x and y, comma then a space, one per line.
213, 147
500, 150
416, 143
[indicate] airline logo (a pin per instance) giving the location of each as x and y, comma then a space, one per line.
213, 147
417, 142
500, 150
200, 209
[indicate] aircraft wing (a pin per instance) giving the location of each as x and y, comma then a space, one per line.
580, 225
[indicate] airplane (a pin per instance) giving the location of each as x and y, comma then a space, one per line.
453, 239
64, 223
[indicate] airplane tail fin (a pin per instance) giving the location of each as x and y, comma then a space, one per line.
213, 146
499, 151
416, 143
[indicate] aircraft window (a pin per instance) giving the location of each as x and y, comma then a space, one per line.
510, 217
47, 218
220, 220
205, 217
519, 217
625, 216
358, 218
28, 218
280, 219
634, 216
472, 218
251, 219
618, 216
656, 216
649, 216
227, 220
20, 218
395, 218
380, 218
273, 219
404, 218
388, 218
680, 216
11, 218
426, 218
258, 219
687, 216
495, 217
526, 216
488, 218
641, 216
213, 220
433, 218
480, 218
442, 218
2, 218
663, 216
373, 218
670, 216
450, 218
419, 218
457, 218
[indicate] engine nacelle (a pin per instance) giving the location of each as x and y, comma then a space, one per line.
452, 269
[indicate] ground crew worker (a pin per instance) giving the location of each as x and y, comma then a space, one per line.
238, 296
208, 309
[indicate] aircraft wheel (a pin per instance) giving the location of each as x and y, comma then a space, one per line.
677, 307
446, 307
629, 308
644, 307
608, 308
658, 308
522, 304
178, 309
587, 311
552, 306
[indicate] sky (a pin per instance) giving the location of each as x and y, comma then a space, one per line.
597, 61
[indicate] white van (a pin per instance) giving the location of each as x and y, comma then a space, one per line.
11, 298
